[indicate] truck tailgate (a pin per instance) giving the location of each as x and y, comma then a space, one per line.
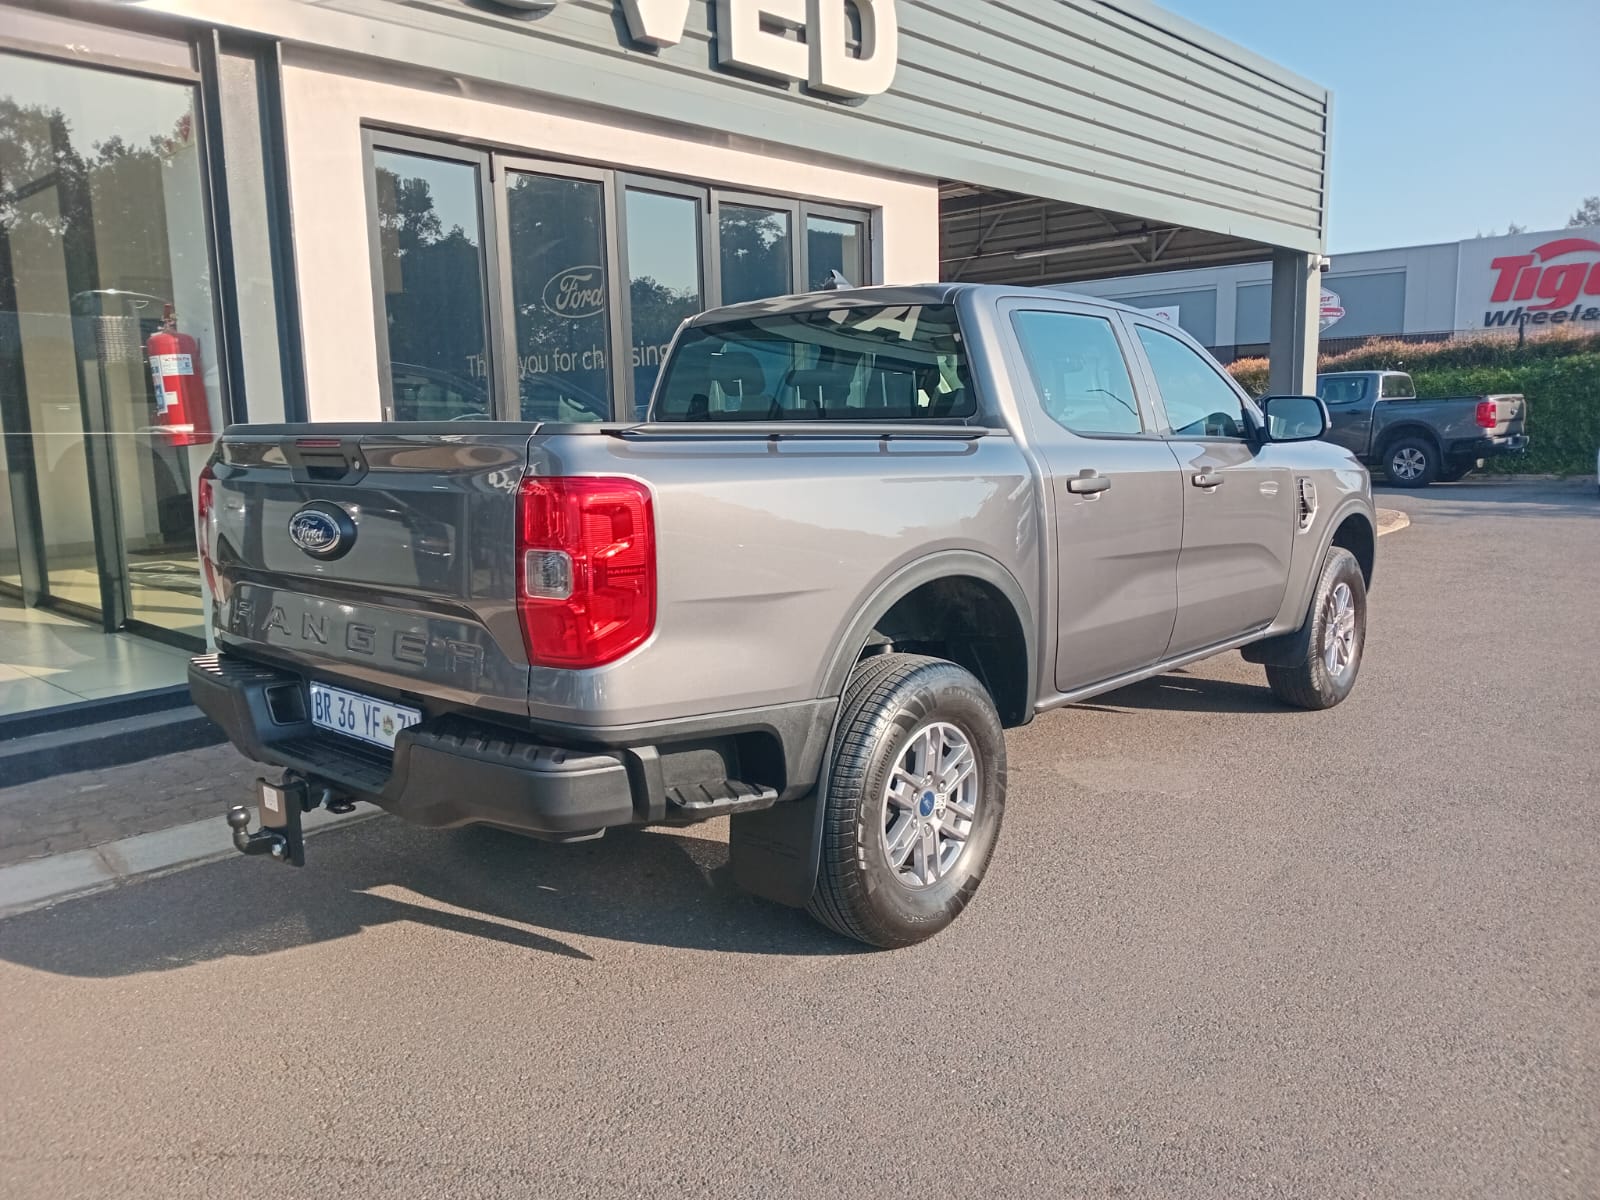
1510, 413
381, 557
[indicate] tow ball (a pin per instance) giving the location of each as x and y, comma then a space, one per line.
281, 836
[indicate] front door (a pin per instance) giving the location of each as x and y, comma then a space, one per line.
1115, 490
1350, 401
1238, 498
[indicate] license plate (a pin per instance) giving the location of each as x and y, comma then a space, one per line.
358, 716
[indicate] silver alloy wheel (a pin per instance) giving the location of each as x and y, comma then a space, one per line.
1339, 631
930, 804
1408, 463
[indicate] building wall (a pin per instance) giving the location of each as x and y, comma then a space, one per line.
327, 101
1114, 104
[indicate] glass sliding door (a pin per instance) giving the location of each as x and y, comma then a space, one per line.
109, 381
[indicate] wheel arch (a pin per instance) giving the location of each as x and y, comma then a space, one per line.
1408, 429
1354, 531
1351, 527
941, 598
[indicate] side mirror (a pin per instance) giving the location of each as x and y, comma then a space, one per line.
1294, 418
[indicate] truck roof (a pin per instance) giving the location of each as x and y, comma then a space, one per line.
888, 294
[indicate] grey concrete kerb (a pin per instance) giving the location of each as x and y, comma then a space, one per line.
42, 881
1391, 520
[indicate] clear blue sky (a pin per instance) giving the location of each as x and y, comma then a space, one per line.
1449, 118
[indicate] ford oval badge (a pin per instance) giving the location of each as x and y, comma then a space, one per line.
324, 531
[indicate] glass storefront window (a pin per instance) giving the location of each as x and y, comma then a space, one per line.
430, 233
834, 245
109, 387
756, 253
664, 278
497, 294
557, 238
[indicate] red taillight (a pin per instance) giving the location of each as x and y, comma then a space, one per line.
205, 499
586, 568
1488, 414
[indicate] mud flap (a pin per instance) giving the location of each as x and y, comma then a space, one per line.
775, 853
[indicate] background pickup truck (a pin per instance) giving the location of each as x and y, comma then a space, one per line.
861, 534
1378, 416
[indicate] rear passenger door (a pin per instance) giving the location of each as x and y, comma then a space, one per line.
1238, 496
1116, 494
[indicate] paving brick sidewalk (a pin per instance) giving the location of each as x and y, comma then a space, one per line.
90, 808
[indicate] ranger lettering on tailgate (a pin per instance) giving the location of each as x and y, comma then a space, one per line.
405, 647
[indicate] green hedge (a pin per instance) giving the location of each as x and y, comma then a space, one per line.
1558, 373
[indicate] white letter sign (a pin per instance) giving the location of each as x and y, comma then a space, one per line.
743, 42
796, 41
833, 70
656, 22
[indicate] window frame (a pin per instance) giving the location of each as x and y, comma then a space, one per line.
1152, 418
1252, 413
494, 164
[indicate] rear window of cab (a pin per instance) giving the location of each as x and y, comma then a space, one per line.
905, 362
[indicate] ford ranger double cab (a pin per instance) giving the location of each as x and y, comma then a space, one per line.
858, 535
1378, 416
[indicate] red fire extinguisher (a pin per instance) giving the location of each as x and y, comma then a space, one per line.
181, 407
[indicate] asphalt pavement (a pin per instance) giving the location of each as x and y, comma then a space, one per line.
1225, 950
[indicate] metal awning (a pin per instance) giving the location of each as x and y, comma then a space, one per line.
992, 236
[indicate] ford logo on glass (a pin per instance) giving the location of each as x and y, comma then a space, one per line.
324, 531
576, 293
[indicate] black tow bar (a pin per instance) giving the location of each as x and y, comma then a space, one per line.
281, 836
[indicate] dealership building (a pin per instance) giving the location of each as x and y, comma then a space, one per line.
215, 211
1527, 284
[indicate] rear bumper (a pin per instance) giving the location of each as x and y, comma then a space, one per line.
446, 772
453, 770
1489, 447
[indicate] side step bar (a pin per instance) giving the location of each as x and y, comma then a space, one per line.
721, 798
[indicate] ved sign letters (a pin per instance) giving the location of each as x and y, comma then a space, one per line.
763, 37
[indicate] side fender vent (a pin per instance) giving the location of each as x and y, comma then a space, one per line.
1307, 496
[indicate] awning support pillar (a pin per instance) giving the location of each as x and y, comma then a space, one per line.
1296, 323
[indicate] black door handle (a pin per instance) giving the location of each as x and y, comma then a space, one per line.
1209, 479
1088, 482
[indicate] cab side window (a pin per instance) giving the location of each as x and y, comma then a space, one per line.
1342, 389
1079, 372
1398, 387
1199, 402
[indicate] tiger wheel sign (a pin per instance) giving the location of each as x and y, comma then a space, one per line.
1552, 284
1332, 308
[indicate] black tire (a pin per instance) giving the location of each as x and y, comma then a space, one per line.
889, 701
1411, 462
1309, 683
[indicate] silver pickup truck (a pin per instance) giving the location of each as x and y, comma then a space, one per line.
860, 534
